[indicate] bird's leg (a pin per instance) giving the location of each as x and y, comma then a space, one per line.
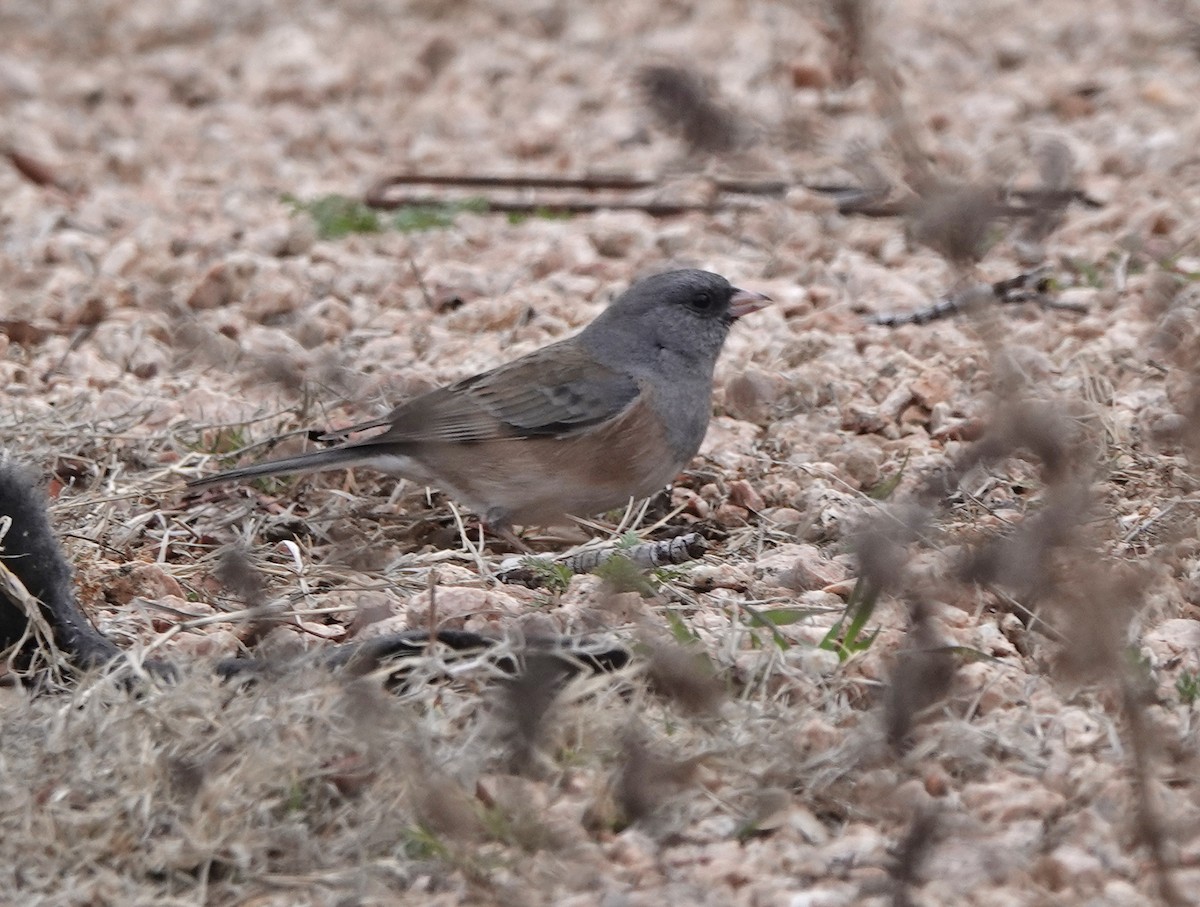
496, 522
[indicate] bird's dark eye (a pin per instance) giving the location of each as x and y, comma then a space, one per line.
702, 302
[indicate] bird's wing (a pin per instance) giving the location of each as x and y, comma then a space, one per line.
553, 392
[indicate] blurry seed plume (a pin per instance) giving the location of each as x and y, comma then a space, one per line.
1189, 27
686, 677
1056, 164
1176, 340
910, 854
881, 546
1056, 176
527, 699
683, 104
244, 582
648, 779
1057, 557
953, 217
955, 221
240, 577
1094, 600
922, 676
1024, 559
442, 805
1047, 432
848, 26
862, 162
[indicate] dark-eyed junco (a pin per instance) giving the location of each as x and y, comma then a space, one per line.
575, 428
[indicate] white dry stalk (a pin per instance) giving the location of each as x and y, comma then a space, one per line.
298, 559
38, 627
474, 549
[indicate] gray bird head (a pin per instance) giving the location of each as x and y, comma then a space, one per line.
684, 315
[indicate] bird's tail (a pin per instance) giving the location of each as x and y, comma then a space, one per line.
315, 461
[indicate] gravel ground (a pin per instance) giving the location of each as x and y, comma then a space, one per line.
182, 281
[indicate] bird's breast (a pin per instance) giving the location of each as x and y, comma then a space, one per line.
539, 480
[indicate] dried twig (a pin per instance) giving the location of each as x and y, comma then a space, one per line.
868, 201
561, 207
398, 653
531, 571
381, 197
611, 182
678, 550
1030, 286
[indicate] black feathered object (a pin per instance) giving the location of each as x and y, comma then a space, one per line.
30, 551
